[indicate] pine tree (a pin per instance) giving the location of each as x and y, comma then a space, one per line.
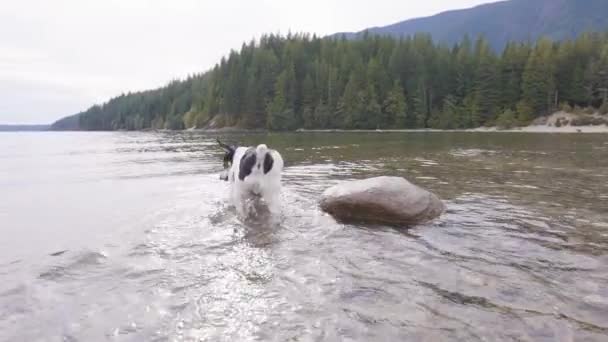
278, 109
396, 107
349, 106
486, 83
309, 98
524, 112
421, 106
464, 69
538, 88
512, 65
374, 117
322, 115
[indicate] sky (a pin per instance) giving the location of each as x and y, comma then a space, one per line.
59, 57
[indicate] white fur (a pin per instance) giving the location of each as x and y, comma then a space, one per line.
266, 186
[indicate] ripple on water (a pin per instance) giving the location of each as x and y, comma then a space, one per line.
473, 152
80, 264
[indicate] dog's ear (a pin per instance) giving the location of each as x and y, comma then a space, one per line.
226, 147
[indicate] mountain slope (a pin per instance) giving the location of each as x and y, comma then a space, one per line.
501, 22
286, 83
69, 123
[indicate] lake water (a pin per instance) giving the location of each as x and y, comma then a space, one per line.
129, 237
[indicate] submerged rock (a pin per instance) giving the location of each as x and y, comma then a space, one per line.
385, 200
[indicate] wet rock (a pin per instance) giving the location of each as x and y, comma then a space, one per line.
384, 200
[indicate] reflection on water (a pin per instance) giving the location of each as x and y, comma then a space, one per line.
128, 236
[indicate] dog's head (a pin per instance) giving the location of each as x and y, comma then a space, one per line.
228, 158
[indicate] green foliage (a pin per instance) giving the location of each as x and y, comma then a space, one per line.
190, 119
446, 118
565, 107
506, 120
286, 83
486, 83
395, 107
538, 86
524, 113
322, 115
308, 117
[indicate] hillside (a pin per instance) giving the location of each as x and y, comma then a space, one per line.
23, 128
501, 22
287, 83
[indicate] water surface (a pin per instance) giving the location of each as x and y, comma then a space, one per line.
128, 237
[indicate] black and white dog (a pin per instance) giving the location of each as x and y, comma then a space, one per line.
253, 172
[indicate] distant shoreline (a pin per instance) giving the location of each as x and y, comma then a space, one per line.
230, 130
527, 129
24, 128
558, 123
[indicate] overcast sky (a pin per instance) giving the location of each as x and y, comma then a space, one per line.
59, 57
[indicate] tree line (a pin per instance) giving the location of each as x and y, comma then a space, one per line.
302, 81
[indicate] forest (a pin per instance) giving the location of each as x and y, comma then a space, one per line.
303, 81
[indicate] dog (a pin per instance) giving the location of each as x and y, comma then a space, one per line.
253, 173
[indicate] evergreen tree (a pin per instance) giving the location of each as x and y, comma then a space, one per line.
396, 107
538, 88
322, 115
421, 105
374, 117
278, 108
486, 83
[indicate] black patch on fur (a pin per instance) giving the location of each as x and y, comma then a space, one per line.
247, 163
268, 162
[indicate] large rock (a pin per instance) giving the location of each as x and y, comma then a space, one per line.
385, 200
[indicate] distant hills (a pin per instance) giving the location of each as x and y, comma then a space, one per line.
501, 22
23, 128
69, 123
